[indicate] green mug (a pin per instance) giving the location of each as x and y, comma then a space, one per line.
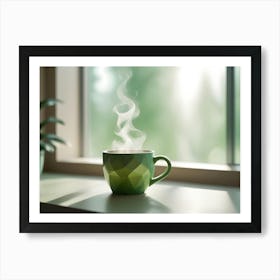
131, 172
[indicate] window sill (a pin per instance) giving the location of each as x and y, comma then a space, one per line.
209, 174
176, 164
91, 194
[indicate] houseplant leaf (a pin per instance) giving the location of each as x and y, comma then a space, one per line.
49, 102
51, 120
48, 147
51, 137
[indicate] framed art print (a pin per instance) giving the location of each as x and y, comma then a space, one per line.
140, 138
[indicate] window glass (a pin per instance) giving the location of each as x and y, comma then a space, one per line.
179, 111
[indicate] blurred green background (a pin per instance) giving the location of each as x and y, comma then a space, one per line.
182, 110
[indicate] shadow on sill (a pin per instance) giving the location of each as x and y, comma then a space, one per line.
50, 208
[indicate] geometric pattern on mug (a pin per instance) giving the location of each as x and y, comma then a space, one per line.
132, 174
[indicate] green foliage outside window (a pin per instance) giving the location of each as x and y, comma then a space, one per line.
182, 111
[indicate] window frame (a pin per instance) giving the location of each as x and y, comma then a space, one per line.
226, 175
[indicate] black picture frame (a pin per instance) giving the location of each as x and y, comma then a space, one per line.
254, 52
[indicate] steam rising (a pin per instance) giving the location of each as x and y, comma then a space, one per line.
131, 138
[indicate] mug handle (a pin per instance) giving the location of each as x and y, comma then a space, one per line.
165, 173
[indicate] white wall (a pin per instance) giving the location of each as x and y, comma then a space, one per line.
139, 256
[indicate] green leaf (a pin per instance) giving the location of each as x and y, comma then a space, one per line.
49, 102
45, 146
51, 120
51, 137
